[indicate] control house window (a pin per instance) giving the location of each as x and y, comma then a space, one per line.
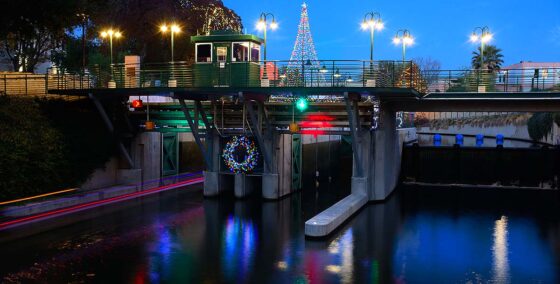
204, 53
255, 52
221, 54
240, 52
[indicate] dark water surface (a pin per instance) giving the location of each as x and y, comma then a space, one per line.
418, 236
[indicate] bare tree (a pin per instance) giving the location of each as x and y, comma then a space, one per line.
429, 69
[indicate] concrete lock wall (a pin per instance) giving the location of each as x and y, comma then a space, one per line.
146, 154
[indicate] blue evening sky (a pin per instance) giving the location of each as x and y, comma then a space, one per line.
524, 30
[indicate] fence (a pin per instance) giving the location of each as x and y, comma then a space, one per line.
506, 80
286, 74
329, 73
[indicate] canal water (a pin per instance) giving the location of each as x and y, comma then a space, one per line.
420, 235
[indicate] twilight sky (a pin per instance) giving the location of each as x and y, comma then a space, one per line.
524, 30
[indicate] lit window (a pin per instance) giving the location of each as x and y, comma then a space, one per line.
221, 54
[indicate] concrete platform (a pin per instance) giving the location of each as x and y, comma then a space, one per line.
327, 221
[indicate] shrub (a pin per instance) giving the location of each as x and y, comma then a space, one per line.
47, 145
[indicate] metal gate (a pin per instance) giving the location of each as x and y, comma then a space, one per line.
296, 161
169, 154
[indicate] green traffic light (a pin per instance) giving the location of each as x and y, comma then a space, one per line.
301, 104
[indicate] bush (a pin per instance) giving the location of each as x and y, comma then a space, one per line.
540, 125
48, 145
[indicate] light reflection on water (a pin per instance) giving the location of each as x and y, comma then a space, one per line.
500, 251
239, 238
384, 243
478, 246
412, 238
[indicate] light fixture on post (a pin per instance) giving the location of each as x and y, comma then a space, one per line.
263, 25
172, 29
111, 33
484, 36
403, 37
372, 21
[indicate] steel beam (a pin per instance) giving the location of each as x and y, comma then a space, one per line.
258, 135
352, 119
195, 133
267, 123
111, 128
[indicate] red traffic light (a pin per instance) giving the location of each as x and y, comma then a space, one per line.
137, 104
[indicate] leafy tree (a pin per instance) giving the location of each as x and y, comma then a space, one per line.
139, 20
492, 58
29, 30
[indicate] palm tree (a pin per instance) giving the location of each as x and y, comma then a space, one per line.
492, 58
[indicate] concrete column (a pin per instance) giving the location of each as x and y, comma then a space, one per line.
214, 182
146, 150
361, 184
278, 182
244, 185
387, 159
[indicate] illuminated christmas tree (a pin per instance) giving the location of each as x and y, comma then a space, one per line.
304, 62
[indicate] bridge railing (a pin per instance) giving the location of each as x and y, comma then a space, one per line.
504, 80
284, 74
322, 73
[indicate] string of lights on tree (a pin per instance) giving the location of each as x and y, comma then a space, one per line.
304, 56
249, 154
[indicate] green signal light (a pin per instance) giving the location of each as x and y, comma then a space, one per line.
301, 104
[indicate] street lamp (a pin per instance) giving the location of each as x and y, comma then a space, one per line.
403, 37
172, 29
372, 21
84, 18
110, 33
263, 25
484, 37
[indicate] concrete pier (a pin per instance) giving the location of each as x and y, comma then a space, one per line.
278, 183
380, 158
244, 185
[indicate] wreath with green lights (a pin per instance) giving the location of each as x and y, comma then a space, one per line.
240, 155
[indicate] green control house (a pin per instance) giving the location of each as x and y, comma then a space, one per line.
227, 59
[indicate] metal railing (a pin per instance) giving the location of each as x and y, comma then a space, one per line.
323, 73
285, 74
505, 80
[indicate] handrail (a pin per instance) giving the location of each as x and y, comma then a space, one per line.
286, 73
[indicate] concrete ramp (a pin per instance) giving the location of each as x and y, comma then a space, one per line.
327, 221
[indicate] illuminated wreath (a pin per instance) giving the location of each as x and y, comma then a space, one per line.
240, 154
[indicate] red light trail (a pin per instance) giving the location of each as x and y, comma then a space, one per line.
80, 207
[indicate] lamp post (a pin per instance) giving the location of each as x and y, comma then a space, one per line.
484, 36
372, 21
403, 37
84, 18
172, 29
263, 25
110, 33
